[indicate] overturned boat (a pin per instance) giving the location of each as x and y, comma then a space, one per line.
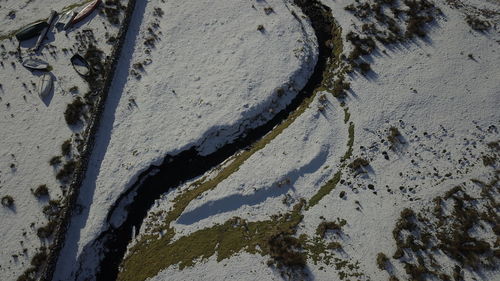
86, 11
80, 65
45, 85
31, 30
35, 64
65, 20
52, 17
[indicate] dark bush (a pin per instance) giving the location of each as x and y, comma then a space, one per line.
66, 148
52, 210
41, 191
329, 225
477, 24
47, 230
364, 67
358, 163
39, 258
286, 250
382, 261
54, 161
74, 111
393, 135
66, 171
7, 201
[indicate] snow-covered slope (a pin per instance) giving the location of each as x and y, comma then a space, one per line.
33, 130
441, 93
201, 72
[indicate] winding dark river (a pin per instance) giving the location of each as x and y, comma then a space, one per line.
188, 164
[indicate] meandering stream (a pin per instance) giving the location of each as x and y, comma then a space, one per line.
174, 170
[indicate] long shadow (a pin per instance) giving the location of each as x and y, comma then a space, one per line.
112, 243
108, 249
235, 201
68, 256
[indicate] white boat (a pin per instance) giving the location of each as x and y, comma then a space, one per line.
39, 42
36, 64
45, 86
65, 20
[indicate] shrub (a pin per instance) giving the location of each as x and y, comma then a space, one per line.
339, 87
364, 67
73, 89
334, 246
54, 161
477, 24
260, 27
66, 171
52, 209
74, 111
66, 148
7, 201
358, 163
286, 250
393, 136
47, 230
41, 190
268, 10
489, 160
329, 225
39, 258
382, 261
407, 213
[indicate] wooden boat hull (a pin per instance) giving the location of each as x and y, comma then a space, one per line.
86, 11
31, 30
35, 64
45, 86
80, 65
39, 42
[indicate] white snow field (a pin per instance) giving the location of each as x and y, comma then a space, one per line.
445, 106
193, 73
198, 73
32, 130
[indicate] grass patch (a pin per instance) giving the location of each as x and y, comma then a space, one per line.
325, 189
350, 143
347, 115
226, 240
270, 237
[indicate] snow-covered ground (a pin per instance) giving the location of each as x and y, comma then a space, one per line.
32, 130
443, 102
197, 73
193, 73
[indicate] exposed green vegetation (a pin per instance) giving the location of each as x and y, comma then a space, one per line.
325, 189
350, 143
347, 115
449, 227
358, 163
270, 237
148, 257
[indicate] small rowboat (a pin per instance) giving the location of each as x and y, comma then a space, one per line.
65, 20
86, 11
31, 30
80, 65
36, 64
45, 86
39, 42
